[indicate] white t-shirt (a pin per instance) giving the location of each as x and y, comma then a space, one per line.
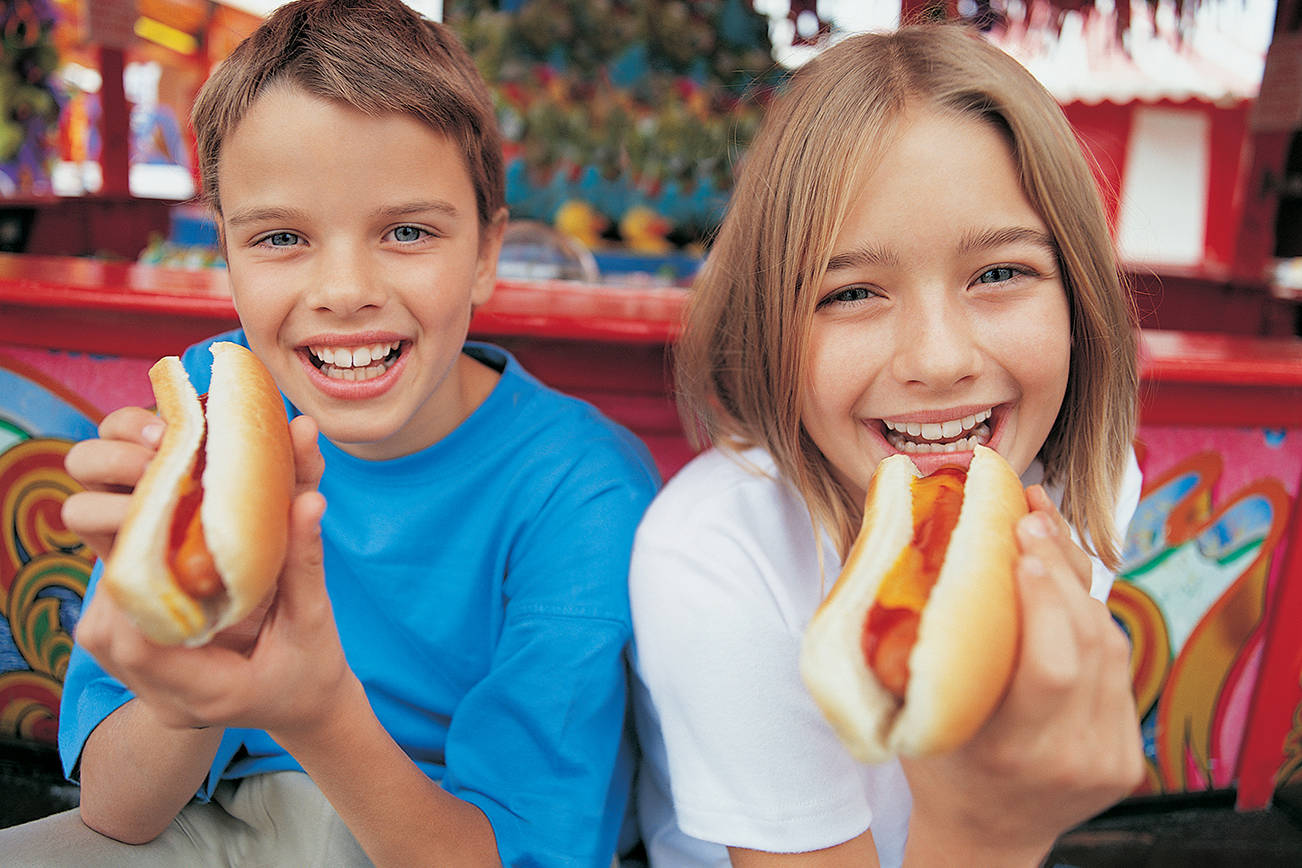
725, 576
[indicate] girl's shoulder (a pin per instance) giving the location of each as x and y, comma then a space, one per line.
735, 508
718, 484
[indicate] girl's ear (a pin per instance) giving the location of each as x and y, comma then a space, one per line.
490, 247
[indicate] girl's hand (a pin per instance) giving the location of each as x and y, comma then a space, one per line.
277, 670
109, 468
1064, 744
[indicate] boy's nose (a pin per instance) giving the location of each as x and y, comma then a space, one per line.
937, 347
346, 282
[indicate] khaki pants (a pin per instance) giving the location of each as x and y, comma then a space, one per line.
265, 821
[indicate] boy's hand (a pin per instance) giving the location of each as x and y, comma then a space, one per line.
109, 468
1065, 743
277, 670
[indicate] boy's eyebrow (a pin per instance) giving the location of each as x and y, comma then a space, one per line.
263, 215
276, 214
418, 206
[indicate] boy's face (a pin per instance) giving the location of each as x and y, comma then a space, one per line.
355, 258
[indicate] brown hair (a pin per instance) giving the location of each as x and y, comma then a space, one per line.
741, 363
377, 56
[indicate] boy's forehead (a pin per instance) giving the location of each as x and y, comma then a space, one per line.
291, 141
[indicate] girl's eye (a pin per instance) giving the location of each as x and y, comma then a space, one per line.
998, 274
281, 239
407, 234
847, 296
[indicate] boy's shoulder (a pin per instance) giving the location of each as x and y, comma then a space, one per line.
546, 425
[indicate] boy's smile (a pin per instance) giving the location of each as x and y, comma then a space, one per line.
356, 260
942, 321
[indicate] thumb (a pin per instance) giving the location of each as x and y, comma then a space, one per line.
304, 569
308, 463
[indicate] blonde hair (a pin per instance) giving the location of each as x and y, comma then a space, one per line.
741, 363
377, 56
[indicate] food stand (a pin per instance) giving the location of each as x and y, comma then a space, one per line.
1212, 573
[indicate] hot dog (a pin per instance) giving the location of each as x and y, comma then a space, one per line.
913, 648
205, 532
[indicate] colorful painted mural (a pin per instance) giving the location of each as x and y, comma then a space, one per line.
43, 567
1199, 566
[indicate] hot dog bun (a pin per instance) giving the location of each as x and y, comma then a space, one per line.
967, 631
247, 484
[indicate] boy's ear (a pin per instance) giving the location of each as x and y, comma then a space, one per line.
221, 234
490, 247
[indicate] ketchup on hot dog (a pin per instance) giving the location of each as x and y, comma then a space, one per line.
188, 556
892, 623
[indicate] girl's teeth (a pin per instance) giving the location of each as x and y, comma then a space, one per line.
933, 432
963, 444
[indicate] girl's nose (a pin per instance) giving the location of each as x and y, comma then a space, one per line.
936, 346
346, 282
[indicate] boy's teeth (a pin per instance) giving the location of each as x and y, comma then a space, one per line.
355, 363
354, 357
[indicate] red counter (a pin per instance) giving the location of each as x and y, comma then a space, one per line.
1213, 563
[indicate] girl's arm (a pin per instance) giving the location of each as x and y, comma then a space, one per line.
1062, 746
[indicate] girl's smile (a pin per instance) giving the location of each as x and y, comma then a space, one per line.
942, 321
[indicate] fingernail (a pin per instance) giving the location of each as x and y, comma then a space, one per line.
153, 433
1037, 525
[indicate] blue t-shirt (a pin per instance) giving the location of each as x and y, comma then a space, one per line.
480, 590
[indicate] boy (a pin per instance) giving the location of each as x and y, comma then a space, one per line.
458, 696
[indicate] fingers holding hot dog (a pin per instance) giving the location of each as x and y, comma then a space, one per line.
108, 469
1064, 742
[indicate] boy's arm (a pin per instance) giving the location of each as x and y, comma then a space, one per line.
137, 774
282, 671
398, 815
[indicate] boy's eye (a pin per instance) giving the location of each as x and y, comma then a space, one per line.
281, 239
408, 233
999, 274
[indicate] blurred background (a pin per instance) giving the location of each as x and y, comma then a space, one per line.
625, 118
624, 121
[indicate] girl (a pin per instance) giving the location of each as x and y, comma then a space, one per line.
915, 260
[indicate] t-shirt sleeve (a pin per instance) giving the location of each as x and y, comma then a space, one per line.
90, 695
749, 758
539, 744
1127, 502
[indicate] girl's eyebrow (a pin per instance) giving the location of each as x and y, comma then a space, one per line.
989, 238
983, 239
861, 257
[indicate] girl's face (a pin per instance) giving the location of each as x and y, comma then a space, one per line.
355, 257
942, 321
